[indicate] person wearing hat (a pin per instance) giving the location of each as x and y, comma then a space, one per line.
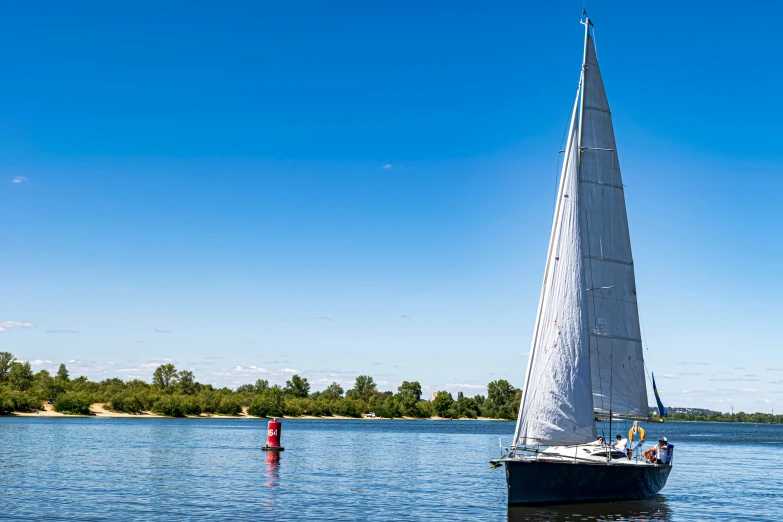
663, 451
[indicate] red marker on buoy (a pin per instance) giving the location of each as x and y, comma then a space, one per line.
273, 436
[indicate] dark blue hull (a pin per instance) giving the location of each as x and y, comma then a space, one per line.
532, 482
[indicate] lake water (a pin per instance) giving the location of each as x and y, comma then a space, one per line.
190, 469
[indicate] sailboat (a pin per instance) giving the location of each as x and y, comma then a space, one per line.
586, 362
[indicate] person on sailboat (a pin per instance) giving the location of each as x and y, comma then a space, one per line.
621, 444
660, 453
663, 454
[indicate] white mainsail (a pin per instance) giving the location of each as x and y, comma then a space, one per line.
616, 361
586, 355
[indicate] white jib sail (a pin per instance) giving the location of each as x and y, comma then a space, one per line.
557, 402
616, 361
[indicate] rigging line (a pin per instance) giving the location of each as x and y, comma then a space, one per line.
557, 170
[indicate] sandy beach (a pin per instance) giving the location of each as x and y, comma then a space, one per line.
99, 409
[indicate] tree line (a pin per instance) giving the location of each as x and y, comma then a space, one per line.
176, 393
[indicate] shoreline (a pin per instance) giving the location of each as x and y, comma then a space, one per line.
98, 410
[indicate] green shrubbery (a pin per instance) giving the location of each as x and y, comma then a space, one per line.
176, 393
73, 404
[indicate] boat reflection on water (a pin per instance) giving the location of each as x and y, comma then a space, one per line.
272, 468
654, 508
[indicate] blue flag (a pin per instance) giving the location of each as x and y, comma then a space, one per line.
661, 407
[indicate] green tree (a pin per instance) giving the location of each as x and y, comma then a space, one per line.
261, 385
270, 403
186, 382
165, 375
465, 407
408, 396
500, 392
364, 387
62, 373
297, 387
333, 392
44, 385
6, 360
442, 404
20, 376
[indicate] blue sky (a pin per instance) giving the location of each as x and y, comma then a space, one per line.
367, 188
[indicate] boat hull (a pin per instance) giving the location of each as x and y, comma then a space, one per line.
532, 482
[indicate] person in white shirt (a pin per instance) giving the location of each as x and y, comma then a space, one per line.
663, 453
621, 444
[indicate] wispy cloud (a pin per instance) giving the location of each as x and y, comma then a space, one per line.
61, 331
693, 363
775, 369
324, 318
405, 316
689, 373
288, 370
163, 331
243, 370
10, 325
387, 166
40, 362
19, 179
736, 379
667, 376
466, 386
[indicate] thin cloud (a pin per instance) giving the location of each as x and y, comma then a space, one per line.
466, 386
11, 325
775, 369
689, 373
242, 370
667, 376
163, 331
405, 316
288, 370
387, 166
61, 331
40, 362
693, 363
736, 379
325, 318
19, 179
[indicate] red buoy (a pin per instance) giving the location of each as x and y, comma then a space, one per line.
273, 432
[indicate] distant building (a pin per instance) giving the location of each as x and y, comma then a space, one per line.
432, 397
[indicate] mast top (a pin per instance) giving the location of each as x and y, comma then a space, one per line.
585, 20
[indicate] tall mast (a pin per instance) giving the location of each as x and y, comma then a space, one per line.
580, 150
587, 24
